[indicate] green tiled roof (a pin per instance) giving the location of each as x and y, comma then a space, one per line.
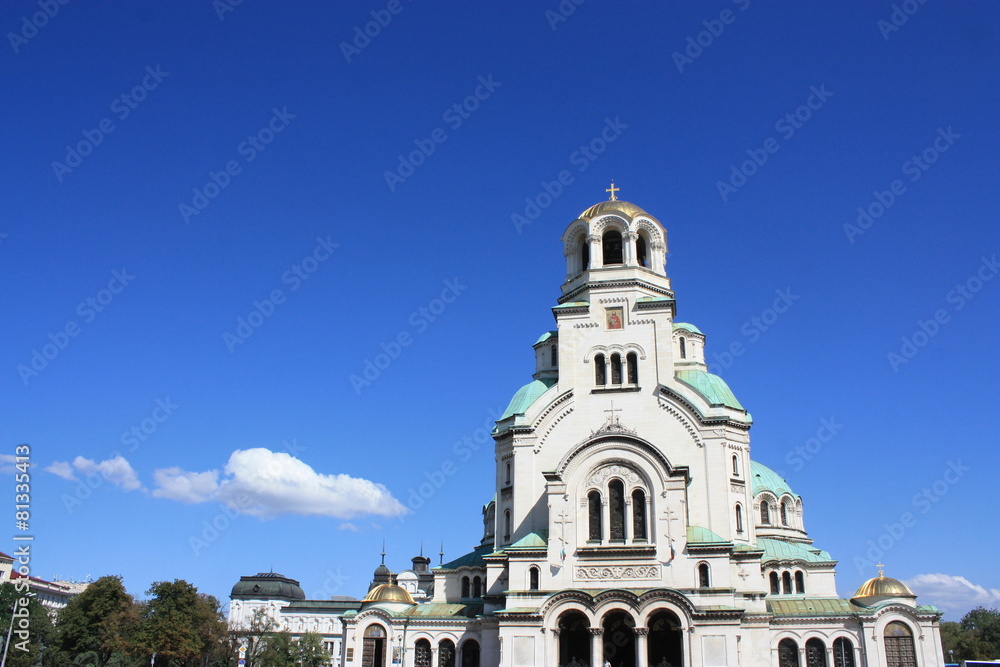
536, 540
444, 610
811, 607
765, 479
699, 535
472, 559
545, 336
525, 396
781, 550
573, 304
712, 387
688, 327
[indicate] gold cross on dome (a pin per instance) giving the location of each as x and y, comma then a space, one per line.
612, 190
880, 567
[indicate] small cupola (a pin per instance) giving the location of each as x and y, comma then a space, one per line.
689, 346
881, 589
547, 356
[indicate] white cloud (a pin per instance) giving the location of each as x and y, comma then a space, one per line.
267, 484
118, 471
952, 594
347, 525
187, 487
7, 466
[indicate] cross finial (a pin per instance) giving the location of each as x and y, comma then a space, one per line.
612, 190
614, 417
383, 552
880, 566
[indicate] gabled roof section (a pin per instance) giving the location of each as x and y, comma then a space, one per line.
713, 388
791, 551
811, 607
699, 535
472, 559
536, 540
546, 336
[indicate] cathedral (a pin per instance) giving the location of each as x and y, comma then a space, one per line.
629, 526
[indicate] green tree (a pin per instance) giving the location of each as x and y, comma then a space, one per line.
97, 623
181, 626
278, 651
310, 651
31, 630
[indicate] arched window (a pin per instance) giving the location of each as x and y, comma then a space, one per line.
739, 518
594, 513
600, 371
422, 653
641, 253
446, 653
784, 513
786, 583
899, 646
843, 653
616, 369
736, 465
788, 653
800, 582
684, 352
533, 578
815, 653
612, 244
765, 512
554, 352
584, 254
465, 587
506, 525
470, 653
703, 576
616, 501
638, 515
508, 474
632, 361
775, 584
477, 587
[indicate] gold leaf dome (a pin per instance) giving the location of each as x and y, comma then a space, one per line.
389, 593
885, 587
628, 208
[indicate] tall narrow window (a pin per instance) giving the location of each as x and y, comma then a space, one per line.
788, 653
554, 351
739, 519
815, 653
843, 653
465, 587
477, 587
616, 501
775, 584
422, 653
784, 513
616, 369
508, 474
800, 582
600, 371
594, 513
638, 515
786, 583
506, 525
612, 244
703, 578
533, 578
632, 361
641, 255
584, 254
765, 512
684, 352
736, 465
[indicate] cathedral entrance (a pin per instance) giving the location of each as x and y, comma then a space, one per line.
665, 646
619, 639
373, 650
574, 640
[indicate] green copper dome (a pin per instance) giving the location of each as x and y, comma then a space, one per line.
266, 586
765, 479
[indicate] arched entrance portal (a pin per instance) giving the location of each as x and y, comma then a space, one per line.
373, 650
665, 645
574, 639
619, 639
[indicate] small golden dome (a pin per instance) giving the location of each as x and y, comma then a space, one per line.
883, 586
628, 208
389, 593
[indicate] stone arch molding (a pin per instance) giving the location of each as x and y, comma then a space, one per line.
596, 607
591, 449
608, 350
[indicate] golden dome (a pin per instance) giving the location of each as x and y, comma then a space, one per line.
883, 586
389, 593
628, 208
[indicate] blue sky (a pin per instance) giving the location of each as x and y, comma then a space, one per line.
171, 169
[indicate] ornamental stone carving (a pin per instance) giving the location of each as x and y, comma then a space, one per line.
623, 472
615, 572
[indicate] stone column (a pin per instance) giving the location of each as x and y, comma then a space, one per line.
596, 252
553, 652
641, 643
596, 647
628, 251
